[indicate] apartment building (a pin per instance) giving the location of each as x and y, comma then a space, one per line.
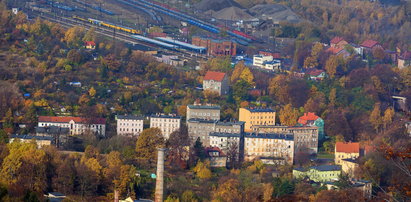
77, 125
206, 112
216, 82
129, 125
278, 147
166, 123
322, 173
200, 128
305, 137
227, 142
256, 116
349, 150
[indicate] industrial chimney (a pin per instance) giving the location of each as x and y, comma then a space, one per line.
159, 196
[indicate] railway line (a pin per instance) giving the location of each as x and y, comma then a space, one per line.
118, 35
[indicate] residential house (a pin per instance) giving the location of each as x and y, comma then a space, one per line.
273, 65
258, 60
315, 74
305, 137
338, 51
369, 45
278, 146
217, 82
166, 123
77, 125
216, 157
404, 60
90, 45
349, 150
41, 141
310, 119
338, 42
322, 173
207, 112
129, 125
349, 167
256, 116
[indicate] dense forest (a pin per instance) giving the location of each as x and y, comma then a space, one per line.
39, 59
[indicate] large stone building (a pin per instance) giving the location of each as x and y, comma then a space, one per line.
129, 125
166, 123
279, 147
206, 112
216, 47
350, 150
77, 125
200, 128
305, 137
257, 116
228, 142
322, 173
41, 141
216, 82
58, 134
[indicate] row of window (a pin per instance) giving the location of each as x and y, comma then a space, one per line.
131, 130
131, 124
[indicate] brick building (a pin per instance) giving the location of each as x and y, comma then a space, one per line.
216, 47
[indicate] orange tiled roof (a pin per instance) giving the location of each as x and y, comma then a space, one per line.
334, 50
216, 76
350, 147
369, 43
66, 119
214, 149
310, 116
90, 43
336, 40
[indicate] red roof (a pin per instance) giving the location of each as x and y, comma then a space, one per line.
336, 40
275, 55
216, 76
369, 43
66, 119
350, 147
214, 149
310, 116
90, 43
334, 50
314, 71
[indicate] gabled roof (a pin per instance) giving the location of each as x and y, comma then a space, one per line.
90, 43
314, 72
349, 147
307, 117
369, 43
216, 76
336, 40
66, 119
214, 149
334, 50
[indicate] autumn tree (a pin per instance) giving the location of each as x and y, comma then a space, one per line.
331, 66
288, 115
179, 145
375, 117
74, 35
202, 170
228, 191
388, 116
148, 142
312, 60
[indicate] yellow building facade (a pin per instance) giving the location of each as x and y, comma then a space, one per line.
253, 117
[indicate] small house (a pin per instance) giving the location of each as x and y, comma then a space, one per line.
90, 45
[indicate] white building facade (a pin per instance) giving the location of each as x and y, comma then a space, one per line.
166, 123
77, 125
129, 125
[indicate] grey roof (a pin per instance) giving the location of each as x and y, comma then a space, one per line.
215, 107
230, 123
260, 110
217, 134
53, 130
350, 160
29, 137
166, 116
284, 136
133, 117
327, 167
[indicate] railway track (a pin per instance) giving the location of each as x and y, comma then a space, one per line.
125, 37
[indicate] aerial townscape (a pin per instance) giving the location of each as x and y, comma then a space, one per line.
205, 100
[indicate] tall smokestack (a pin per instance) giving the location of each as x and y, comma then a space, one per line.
159, 196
